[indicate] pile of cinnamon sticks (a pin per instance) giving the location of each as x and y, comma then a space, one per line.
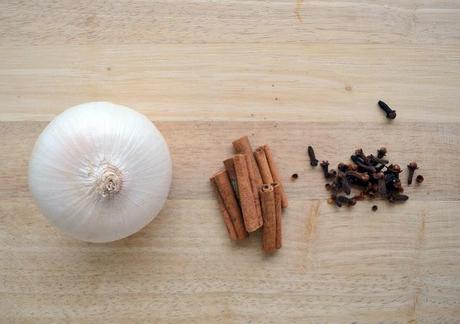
250, 194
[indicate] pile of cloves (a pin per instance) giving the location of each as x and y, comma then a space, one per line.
372, 175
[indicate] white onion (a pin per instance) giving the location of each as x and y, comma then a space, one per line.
100, 172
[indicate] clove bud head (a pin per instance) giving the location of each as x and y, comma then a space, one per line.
412, 166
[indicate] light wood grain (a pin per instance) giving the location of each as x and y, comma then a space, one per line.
286, 73
400, 263
326, 82
200, 21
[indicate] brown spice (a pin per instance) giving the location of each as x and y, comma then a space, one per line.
252, 220
230, 168
419, 179
243, 146
311, 154
412, 167
246, 202
254, 186
264, 167
267, 198
228, 206
275, 174
371, 175
278, 209
227, 219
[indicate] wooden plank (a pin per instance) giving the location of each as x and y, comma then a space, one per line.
203, 21
424, 143
226, 82
396, 264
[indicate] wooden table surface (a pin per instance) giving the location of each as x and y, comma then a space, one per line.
287, 73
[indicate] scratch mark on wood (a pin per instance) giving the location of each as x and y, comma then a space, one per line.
421, 232
418, 289
312, 218
413, 311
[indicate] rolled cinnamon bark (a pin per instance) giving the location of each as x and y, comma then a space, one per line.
224, 212
275, 174
262, 162
254, 187
267, 198
243, 146
229, 206
252, 220
230, 167
278, 214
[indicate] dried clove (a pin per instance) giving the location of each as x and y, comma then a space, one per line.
360, 176
359, 153
376, 160
357, 159
412, 167
391, 179
382, 186
294, 176
352, 167
344, 183
381, 152
419, 179
332, 173
311, 155
342, 167
390, 113
325, 167
372, 175
374, 208
343, 200
394, 198
365, 167
394, 168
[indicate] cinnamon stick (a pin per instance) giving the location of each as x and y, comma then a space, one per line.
254, 187
267, 198
275, 174
278, 214
226, 216
262, 162
230, 167
243, 146
252, 220
228, 206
